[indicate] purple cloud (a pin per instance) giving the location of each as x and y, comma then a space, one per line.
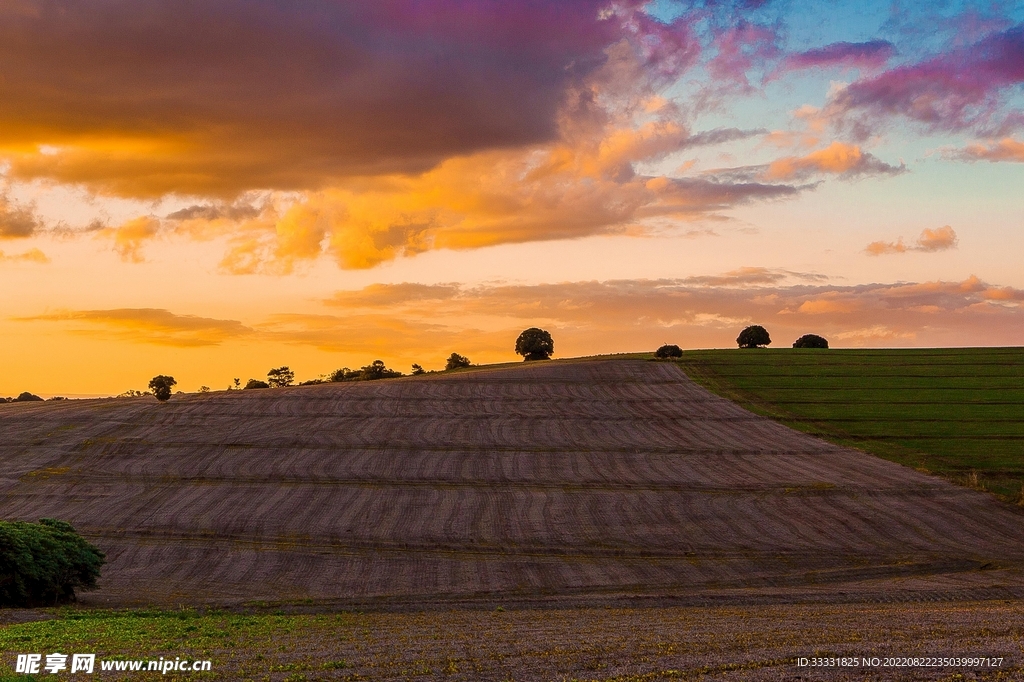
874, 53
960, 90
742, 49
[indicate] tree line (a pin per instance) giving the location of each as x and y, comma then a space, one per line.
756, 336
532, 344
27, 397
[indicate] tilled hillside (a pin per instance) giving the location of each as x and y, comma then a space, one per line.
575, 480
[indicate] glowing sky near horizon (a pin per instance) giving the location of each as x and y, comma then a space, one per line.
209, 190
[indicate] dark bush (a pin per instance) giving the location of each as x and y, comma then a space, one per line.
375, 370
280, 377
256, 383
418, 369
132, 393
26, 397
535, 344
43, 563
343, 374
161, 386
456, 361
668, 351
811, 341
754, 336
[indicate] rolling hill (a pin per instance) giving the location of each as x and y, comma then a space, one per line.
568, 481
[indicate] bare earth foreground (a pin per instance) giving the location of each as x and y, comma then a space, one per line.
574, 482
634, 644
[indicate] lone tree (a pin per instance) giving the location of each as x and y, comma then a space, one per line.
535, 344
668, 351
418, 369
280, 377
161, 386
754, 336
455, 361
811, 341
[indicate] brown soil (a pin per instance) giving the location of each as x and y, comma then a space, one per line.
759, 643
611, 481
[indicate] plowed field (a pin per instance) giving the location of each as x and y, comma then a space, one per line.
561, 481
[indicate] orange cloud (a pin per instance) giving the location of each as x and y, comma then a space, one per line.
837, 159
30, 256
508, 196
581, 186
747, 277
129, 237
879, 248
823, 306
813, 117
1007, 149
1002, 294
378, 295
148, 325
785, 138
16, 221
939, 239
930, 241
385, 336
878, 333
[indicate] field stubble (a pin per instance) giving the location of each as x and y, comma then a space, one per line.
577, 482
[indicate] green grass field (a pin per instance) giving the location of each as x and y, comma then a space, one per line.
954, 412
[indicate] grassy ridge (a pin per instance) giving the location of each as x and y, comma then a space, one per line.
957, 412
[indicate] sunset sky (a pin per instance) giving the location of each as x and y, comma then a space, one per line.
212, 189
